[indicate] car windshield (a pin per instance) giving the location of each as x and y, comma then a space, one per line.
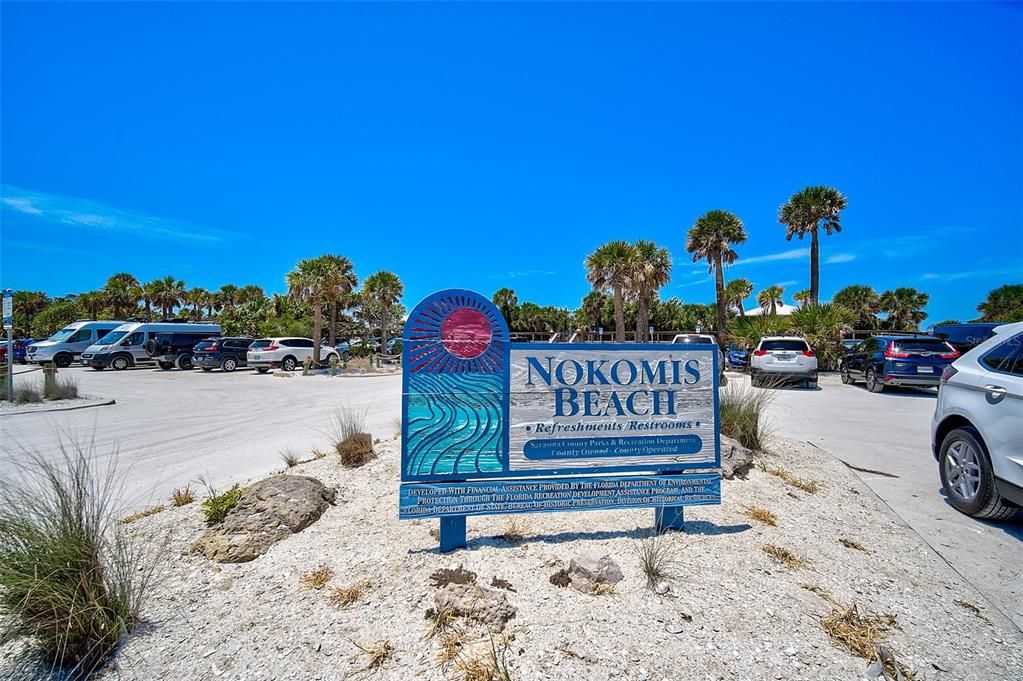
696, 339
922, 345
202, 345
63, 334
112, 337
790, 345
261, 343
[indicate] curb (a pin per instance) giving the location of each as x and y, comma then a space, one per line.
106, 403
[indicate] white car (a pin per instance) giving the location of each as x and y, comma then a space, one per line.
783, 358
705, 339
977, 430
285, 353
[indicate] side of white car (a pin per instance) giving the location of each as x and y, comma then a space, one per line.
286, 353
977, 429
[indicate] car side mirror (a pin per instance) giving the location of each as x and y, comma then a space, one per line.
125, 344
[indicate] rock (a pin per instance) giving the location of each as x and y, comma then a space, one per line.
591, 568
357, 450
476, 603
268, 511
736, 460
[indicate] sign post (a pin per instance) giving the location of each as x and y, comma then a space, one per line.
492, 427
9, 328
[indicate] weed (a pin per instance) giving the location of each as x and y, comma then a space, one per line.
346, 422
760, 514
440, 621
514, 530
742, 412
356, 451
657, 559
856, 632
487, 666
71, 578
217, 505
451, 643
396, 424
145, 513
459, 575
853, 544
784, 556
378, 653
61, 388
289, 458
820, 591
605, 589
345, 596
27, 393
319, 454
807, 485
182, 497
316, 579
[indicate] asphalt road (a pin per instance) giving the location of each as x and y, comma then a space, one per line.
890, 433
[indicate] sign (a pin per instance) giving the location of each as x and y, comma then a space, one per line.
8, 308
489, 426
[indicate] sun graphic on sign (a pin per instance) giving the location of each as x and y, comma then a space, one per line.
455, 333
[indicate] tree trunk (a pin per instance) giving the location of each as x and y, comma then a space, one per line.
383, 329
333, 323
815, 267
719, 290
641, 320
317, 331
619, 315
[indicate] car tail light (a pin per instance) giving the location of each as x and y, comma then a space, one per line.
890, 351
759, 353
272, 346
807, 353
948, 372
950, 355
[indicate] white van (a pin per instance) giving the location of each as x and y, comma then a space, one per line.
125, 346
66, 345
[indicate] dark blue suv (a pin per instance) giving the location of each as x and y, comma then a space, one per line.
881, 361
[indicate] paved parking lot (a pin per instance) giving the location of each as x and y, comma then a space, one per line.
890, 433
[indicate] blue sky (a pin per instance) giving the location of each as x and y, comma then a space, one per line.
484, 145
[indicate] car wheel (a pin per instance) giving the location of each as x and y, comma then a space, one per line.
262, 370
873, 384
62, 361
120, 363
967, 478
184, 362
98, 368
229, 364
166, 366
846, 376
289, 364
207, 369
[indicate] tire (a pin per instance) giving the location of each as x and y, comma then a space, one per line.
184, 362
874, 385
229, 364
967, 477
166, 366
151, 347
262, 370
63, 360
289, 363
98, 368
846, 376
207, 369
120, 363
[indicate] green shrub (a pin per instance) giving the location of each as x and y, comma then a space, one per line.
216, 506
61, 388
72, 579
345, 423
742, 411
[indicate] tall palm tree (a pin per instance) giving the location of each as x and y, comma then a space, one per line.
341, 280
197, 297
1003, 304
308, 283
862, 301
594, 308
802, 297
122, 292
169, 293
610, 268
149, 291
229, 295
805, 213
711, 237
93, 302
384, 289
904, 307
771, 298
249, 293
653, 271
736, 293
507, 302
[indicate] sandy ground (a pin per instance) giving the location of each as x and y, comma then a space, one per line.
890, 433
731, 612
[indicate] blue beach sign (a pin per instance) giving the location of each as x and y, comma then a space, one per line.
493, 427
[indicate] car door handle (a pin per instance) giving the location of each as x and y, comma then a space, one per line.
995, 390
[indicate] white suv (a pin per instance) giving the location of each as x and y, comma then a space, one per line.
783, 358
977, 430
287, 353
704, 339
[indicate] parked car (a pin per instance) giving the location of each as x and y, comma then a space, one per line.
284, 353
783, 358
736, 358
344, 349
20, 350
704, 339
881, 361
977, 429
66, 345
226, 353
965, 337
171, 349
125, 346
850, 343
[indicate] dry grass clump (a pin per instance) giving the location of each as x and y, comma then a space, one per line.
760, 514
61, 388
605, 589
377, 653
452, 640
319, 454
806, 484
290, 458
486, 666
785, 557
820, 591
515, 530
145, 513
27, 393
853, 544
657, 560
346, 422
344, 596
742, 412
857, 632
440, 621
182, 497
316, 579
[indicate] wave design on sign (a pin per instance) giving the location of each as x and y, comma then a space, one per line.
454, 424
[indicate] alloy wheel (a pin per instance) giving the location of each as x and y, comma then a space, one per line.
962, 470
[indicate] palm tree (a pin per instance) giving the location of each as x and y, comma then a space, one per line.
507, 302
229, 295
1003, 304
802, 297
904, 307
169, 293
771, 297
805, 213
610, 268
308, 283
384, 289
862, 302
92, 301
823, 326
594, 307
149, 291
122, 292
249, 293
341, 280
736, 293
653, 271
197, 297
712, 237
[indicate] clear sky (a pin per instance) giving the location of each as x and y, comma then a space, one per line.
490, 145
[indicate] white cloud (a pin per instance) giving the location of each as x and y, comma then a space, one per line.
839, 258
792, 254
789, 282
695, 283
78, 212
1015, 271
528, 273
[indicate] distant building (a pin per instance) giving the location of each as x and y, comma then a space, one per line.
783, 310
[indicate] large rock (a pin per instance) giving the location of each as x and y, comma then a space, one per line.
474, 602
736, 460
269, 511
591, 568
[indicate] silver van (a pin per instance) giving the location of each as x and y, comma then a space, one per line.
125, 346
66, 345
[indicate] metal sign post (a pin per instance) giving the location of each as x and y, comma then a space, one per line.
9, 327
